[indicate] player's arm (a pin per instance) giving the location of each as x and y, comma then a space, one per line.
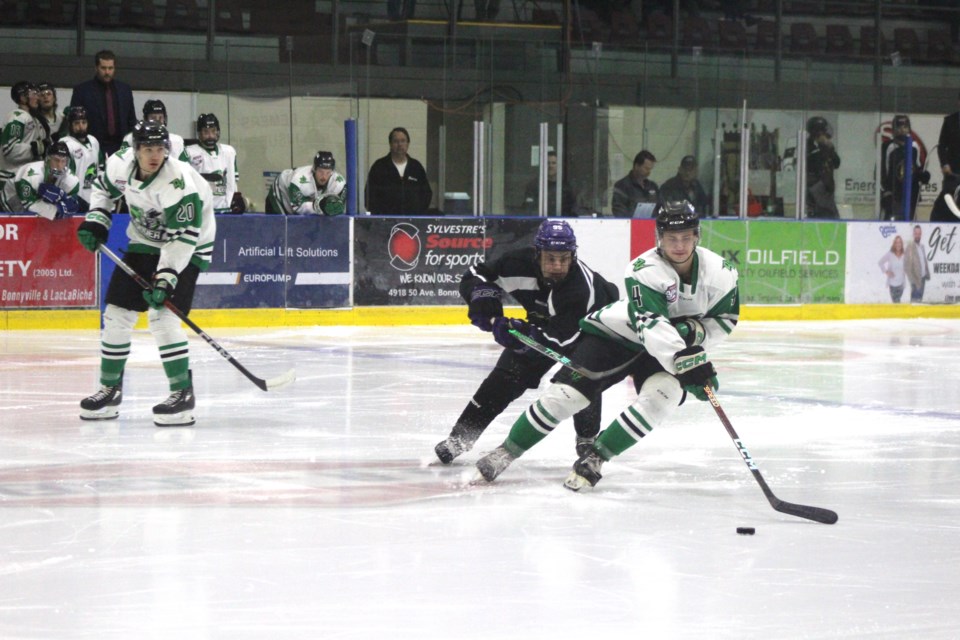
14, 149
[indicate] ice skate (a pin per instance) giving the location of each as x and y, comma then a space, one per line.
450, 448
177, 410
492, 465
585, 445
103, 405
586, 472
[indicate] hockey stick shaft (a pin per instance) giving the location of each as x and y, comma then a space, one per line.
565, 361
952, 204
801, 511
266, 385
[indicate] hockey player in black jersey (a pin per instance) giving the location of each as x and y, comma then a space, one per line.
556, 290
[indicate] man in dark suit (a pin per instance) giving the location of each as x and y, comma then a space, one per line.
109, 103
948, 148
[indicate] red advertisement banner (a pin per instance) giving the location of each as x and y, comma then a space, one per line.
43, 266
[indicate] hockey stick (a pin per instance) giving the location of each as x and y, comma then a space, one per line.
801, 511
267, 385
951, 204
565, 361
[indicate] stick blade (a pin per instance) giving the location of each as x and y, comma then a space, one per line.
280, 381
824, 516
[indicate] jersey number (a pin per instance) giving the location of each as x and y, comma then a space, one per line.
185, 213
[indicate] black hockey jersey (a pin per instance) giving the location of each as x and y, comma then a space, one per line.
555, 310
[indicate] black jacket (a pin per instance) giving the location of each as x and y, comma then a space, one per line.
948, 147
390, 194
90, 94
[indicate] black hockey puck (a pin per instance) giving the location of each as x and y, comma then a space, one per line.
746, 531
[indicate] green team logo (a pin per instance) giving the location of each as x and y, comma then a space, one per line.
178, 183
638, 264
729, 265
23, 190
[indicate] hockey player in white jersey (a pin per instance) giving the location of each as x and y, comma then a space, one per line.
86, 159
46, 187
316, 189
156, 111
217, 162
24, 138
680, 300
171, 235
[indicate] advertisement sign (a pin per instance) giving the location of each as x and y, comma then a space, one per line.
419, 261
879, 271
43, 266
782, 262
273, 261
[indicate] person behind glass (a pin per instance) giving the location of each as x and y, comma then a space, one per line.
54, 118
891, 264
948, 149
915, 265
24, 137
686, 185
86, 158
397, 184
155, 111
822, 160
109, 103
893, 172
309, 190
45, 187
217, 163
636, 187
531, 197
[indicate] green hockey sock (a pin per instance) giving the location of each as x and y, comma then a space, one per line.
176, 364
113, 358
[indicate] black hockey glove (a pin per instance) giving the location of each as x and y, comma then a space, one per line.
238, 204
485, 305
691, 331
92, 234
164, 282
501, 333
694, 371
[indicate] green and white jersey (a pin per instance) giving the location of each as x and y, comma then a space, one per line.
219, 167
21, 193
655, 297
86, 162
18, 132
171, 212
176, 146
295, 191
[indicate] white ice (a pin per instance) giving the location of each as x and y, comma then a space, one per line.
319, 511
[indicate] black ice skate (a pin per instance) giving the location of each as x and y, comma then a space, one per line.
494, 463
586, 472
103, 404
177, 410
450, 449
585, 445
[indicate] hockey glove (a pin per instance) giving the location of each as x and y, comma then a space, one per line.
485, 305
237, 205
68, 206
694, 371
92, 234
164, 282
501, 333
691, 331
50, 193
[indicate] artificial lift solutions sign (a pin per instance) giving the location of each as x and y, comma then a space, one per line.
43, 266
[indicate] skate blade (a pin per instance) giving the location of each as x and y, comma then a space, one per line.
182, 419
107, 413
576, 482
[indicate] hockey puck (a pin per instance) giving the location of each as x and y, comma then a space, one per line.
746, 531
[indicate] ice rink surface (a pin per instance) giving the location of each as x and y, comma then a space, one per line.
319, 511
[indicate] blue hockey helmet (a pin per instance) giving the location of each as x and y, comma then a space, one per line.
555, 235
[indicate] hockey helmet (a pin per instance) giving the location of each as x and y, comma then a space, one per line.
21, 89
555, 235
677, 215
58, 150
208, 121
899, 122
76, 113
46, 86
154, 106
818, 125
150, 133
324, 160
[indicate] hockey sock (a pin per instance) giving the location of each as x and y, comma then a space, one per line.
174, 349
115, 343
558, 403
658, 398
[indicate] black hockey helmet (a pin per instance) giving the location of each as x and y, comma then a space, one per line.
46, 86
59, 149
677, 215
208, 121
324, 160
900, 121
21, 89
817, 125
76, 113
154, 106
147, 132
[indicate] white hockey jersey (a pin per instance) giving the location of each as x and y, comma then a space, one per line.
21, 193
655, 297
86, 162
295, 190
171, 212
219, 167
18, 132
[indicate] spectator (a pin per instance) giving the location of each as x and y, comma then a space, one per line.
86, 159
948, 148
45, 187
531, 198
109, 103
686, 186
156, 111
397, 184
311, 189
636, 187
822, 159
217, 163
53, 117
23, 138
893, 172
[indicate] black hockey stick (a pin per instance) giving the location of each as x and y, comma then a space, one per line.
267, 385
565, 361
801, 511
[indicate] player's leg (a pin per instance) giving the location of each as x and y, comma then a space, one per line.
586, 423
171, 339
510, 378
658, 396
